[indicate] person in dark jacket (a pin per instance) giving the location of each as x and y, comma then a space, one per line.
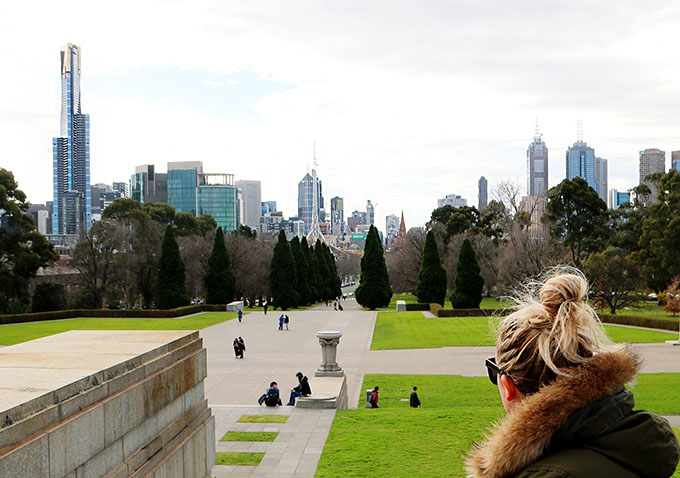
238, 351
414, 401
302, 390
562, 384
271, 396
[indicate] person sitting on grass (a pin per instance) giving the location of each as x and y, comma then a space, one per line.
414, 401
562, 383
270, 396
302, 390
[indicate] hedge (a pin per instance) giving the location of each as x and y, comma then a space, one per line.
112, 313
647, 322
473, 312
418, 306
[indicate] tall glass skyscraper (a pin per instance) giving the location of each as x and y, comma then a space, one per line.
537, 166
581, 163
72, 208
305, 201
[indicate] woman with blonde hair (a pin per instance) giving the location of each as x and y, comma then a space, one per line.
561, 381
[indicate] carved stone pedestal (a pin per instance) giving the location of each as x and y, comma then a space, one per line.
329, 367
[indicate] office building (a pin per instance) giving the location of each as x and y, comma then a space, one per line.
306, 203
337, 215
370, 213
675, 160
617, 198
123, 188
72, 207
193, 191
482, 194
268, 206
452, 200
391, 231
251, 202
651, 161
148, 186
537, 166
41, 218
535, 208
601, 178
102, 197
581, 162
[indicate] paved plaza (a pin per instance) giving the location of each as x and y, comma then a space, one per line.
233, 385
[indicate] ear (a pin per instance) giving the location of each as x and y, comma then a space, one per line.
510, 391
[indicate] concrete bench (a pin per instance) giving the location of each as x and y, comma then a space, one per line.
401, 306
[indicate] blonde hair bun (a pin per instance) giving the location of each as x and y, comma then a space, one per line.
562, 288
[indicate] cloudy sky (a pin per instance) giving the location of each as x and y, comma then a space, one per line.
408, 100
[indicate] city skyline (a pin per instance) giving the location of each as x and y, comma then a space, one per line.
378, 102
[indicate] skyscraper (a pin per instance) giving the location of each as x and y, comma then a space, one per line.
146, 185
182, 185
370, 213
537, 166
252, 202
72, 208
337, 215
305, 202
268, 206
601, 178
581, 162
482, 194
391, 231
675, 160
651, 161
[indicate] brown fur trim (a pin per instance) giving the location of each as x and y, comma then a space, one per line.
520, 438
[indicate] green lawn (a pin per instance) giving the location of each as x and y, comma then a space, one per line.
249, 436
644, 309
11, 334
487, 302
238, 459
408, 330
396, 440
263, 419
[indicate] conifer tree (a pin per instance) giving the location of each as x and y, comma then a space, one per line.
335, 282
374, 290
308, 252
172, 289
301, 273
322, 267
432, 277
219, 279
282, 277
467, 292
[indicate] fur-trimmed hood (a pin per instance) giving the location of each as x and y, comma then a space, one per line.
528, 433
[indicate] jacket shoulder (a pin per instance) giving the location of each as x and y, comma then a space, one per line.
575, 463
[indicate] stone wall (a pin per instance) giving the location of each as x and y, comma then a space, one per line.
106, 404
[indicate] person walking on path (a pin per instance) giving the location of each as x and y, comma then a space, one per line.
242, 345
374, 398
266, 304
562, 383
302, 390
414, 401
281, 320
286, 320
240, 315
237, 349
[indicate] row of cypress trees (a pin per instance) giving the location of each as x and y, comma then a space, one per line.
302, 274
219, 279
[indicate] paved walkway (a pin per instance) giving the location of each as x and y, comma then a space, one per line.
233, 385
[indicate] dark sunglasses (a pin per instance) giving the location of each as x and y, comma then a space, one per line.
494, 370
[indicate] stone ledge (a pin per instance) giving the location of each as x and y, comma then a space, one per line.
327, 393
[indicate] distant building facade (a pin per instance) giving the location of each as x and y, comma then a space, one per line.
252, 202
581, 163
305, 201
370, 213
535, 207
391, 231
675, 160
601, 180
337, 215
652, 161
617, 198
72, 206
148, 186
537, 166
268, 206
482, 194
454, 200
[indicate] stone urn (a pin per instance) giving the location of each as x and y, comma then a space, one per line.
329, 367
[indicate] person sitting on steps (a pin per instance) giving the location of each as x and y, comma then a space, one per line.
302, 389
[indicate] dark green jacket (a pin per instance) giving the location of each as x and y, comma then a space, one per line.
580, 426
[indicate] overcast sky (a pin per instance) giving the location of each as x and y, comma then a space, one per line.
408, 100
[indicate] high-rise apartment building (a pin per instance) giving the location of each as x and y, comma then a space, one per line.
268, 206
482, 194
652, 161
454, 200
252, 202
391, 231
537, 166
370, 213
305, 201
122, 188
146, 185
675, 160
617, 198
337, 215
601, 178
72, 207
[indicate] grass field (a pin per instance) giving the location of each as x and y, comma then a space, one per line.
16, 333
396, 440
238, 459
263, 419
408, 330
487, 302
249, 436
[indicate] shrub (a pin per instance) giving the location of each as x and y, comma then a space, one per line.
49, 296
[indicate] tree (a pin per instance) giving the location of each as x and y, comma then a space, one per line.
300, 271
672, 298
467, 292
335, 283
124, 208
49, 296
187, 224
172, 290
23, 250
576, 215
160, 212
195, 252
206, 224
614, 278
432, 277
245, 231
658, 245
404, 262
250, 260
323, 286
282, 277
312, 272
374, 289
219, 280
